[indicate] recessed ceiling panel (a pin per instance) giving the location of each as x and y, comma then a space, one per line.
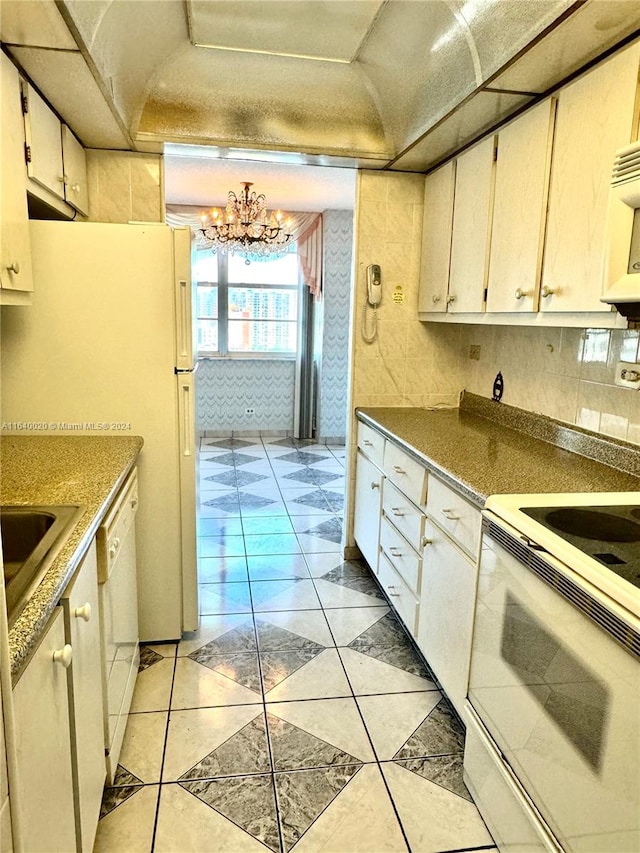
419, 64
319, 29
314, 107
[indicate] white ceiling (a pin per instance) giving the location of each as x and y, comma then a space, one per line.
194, 178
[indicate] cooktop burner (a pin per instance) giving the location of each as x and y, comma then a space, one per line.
609, 534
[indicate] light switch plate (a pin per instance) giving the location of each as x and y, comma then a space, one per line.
628, 374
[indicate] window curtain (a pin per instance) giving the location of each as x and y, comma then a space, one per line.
307, 232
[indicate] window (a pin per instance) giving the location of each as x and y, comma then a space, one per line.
246, 308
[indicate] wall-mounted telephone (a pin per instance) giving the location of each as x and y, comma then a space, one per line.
374, 297
374, 285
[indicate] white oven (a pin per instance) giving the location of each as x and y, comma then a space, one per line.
553, 711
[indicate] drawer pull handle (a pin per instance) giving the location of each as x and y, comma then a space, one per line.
134, 503
399, 470
393, 594
83, 612
426, 541
375, 485
450, 514
113, 548
14, 267
396, 511
63, 656
396, 552
546, 292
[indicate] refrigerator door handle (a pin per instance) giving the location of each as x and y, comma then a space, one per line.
186, 420
184, 319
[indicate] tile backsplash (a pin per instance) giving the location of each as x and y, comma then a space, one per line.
125, 186
566, 374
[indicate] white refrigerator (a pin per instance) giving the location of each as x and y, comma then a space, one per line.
108, 339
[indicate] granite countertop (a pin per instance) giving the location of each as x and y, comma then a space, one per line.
50, 470
484, 449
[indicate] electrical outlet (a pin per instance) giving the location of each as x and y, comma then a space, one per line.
474, 352
249, 411
628, 374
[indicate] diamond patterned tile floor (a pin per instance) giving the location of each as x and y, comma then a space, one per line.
298, 717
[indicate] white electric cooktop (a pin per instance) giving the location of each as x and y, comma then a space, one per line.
596, 535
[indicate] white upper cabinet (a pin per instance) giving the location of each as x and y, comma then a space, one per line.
528, 236
74, 161
471, 228
436, 238
56, 161
44, 143
16, 277
596, 116
519, 212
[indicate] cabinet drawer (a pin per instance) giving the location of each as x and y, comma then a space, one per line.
371, 443
407, 474
400, 554
455, 515
403, 600
403, 514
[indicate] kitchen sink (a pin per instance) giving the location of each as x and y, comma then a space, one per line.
32, 537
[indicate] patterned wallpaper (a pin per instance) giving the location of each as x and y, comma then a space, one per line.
334, 349
226, 388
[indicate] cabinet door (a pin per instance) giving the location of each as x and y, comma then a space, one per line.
368, 504
436, 239
82, 618
76, 191
44, 138
519, 210
44, 790
445, 621
15, 246
471, 228
595, 117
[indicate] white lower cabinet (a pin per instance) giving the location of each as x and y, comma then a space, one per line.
446, 613
426, 562
58, 712
43, 793
82, 623
368, 503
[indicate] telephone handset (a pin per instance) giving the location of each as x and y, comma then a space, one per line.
374, 297
374, 285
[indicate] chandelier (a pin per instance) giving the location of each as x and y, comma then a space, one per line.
245, 227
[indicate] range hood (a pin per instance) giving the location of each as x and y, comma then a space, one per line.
623, 249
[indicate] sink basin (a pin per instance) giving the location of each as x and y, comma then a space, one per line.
32, 537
